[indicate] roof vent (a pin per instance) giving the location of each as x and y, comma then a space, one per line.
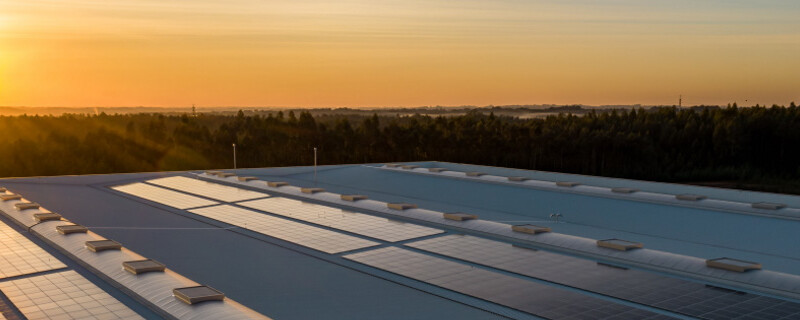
619, 244
225, 174
392, 165
690, 197
213, 172
530, 228
518, 179
437, 170
353, 197
103, 245
67, 229
192, 295
7, 197
768, 206
26, 205
475, 174
567, 184
245, 179
401, 206
624, 190
409, 167
311, 190
143, 266
276, 184
459, 216
49, 216
731, 264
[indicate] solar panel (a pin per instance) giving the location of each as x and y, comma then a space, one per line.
528, 296
19, 256
358, 223
308, 236
208, 189
64, 295
163, 196
676, 295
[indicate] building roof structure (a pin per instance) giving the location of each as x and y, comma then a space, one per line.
423, 240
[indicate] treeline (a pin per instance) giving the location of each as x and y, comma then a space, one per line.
753, 144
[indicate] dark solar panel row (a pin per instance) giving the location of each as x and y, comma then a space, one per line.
671, 294
531, 297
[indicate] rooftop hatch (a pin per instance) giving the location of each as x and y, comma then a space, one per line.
690, 197
143, 266
530, 228
619, 244
68, 229
731, 264
459, 216
49, 216
311, 190
353, 197
197, 294
103, 245
401, 206
26, 205
624, 190
568, 184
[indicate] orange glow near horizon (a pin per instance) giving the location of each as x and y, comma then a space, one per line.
358, 53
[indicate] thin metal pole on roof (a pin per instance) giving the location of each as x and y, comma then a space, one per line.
234, 156
315, 166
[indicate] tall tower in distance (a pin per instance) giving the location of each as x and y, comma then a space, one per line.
680, 100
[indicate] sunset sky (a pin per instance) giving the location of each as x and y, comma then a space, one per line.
372, 53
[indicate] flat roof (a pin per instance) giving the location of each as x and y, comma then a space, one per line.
284, 277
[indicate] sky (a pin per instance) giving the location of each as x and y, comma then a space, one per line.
376, 53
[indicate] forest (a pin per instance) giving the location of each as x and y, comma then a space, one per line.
741, 147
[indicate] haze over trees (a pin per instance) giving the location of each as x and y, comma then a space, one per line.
753, 147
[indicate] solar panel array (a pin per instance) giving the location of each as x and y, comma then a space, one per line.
528, 296
308, 236
64, 295
20, 256
164, 196
672, 294
358, 223
207, 189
